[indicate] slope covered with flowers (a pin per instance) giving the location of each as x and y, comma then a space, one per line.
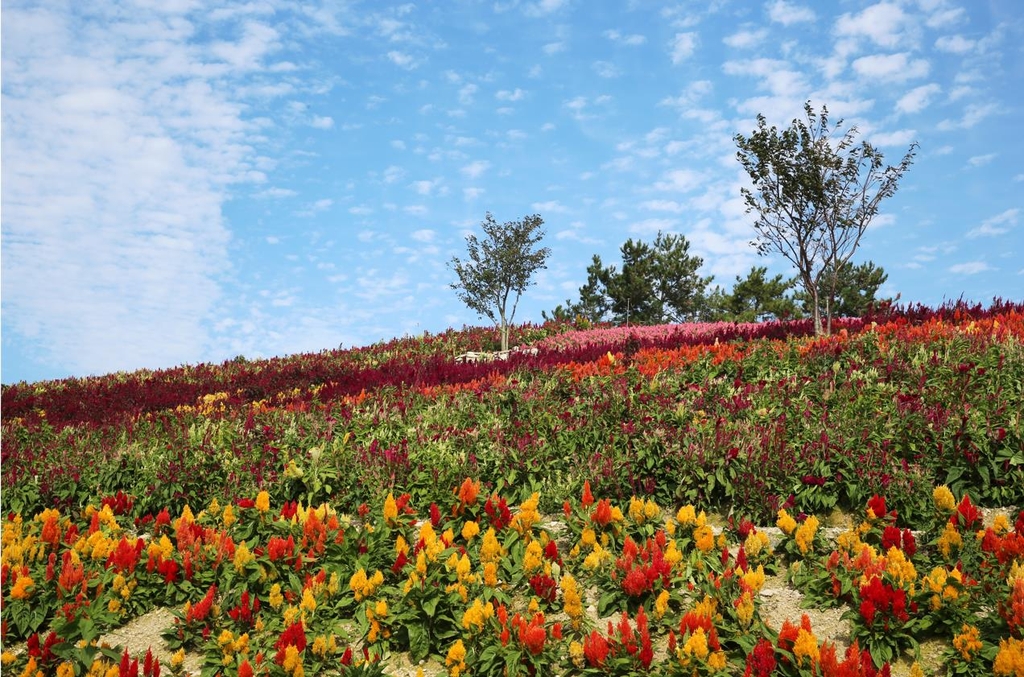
309, 514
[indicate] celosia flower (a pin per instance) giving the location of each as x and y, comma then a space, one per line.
469, 530
263, 501
455, 660
968, 642
785, 522
476, 615
1009, 661
532, 557
805, 534
943, 499
595, 649
805, 646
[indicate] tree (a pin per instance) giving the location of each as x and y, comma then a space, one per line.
499, 268
755, 298
855, 291
814, 196
657, 284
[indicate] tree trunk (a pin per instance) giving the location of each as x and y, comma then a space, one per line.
504, 335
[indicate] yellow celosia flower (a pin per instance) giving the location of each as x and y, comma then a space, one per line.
527, 516
469, 530
65, 669
292, 660
949, 540
753, 580
263, 501
588, 538
745, 609
229, 517
308, 602
390, 509
242, 557
716, 661
660, 604
968, 642
455, 660
476, 615
786, 523
704, 538
491, 574
23, 587
687, 515
319, 647
805, 534
177, 659
755, 543
572, 602
806, 646
490, 549
1009, 661
1000, 523
943, 499
696, 645
899, 567
576, 654
276, 598
6, 658
532, 559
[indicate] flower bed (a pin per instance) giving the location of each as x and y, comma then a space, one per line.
299, 590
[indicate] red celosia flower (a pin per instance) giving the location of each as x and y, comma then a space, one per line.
467, 495
635, 583
245, 670
602, 514
761, 661
877, 505
544, 587
532, 635
588, 498
595, 649
966, 515
128, 667
293, 635
201, 609
498, 512
646, 649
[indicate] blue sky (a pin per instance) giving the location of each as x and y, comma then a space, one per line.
184, 182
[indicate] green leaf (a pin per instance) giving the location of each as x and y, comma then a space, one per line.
429, 605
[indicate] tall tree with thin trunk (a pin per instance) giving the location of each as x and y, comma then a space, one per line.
814, 195
499, 268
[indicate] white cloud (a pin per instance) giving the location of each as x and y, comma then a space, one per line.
510, 95
475, 169
662, 206
275, 193
393, 173
551, 207
415, 210
324, 122
466, 93
120, 137
273, 239
682, 47
360, 210
470, 194
425, 187
997, 225
981, 160
680, 180
652, 226
973, 114
424, 235
970, 268
553, 48
918, 98
900, 137
402, 60
890, 67
883, 23
945, 17
606, 69
543, 7
630, 40
787, 13
745, 39
956, 44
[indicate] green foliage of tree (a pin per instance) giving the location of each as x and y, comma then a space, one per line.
755, 298
657, 283
856, 289
814, 194
499, 268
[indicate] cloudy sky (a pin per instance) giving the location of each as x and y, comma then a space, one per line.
185, 181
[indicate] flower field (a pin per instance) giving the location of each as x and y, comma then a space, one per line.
545, 514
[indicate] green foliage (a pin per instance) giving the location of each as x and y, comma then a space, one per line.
814, 194
499, 267
658, 283
856, 287
754, 298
